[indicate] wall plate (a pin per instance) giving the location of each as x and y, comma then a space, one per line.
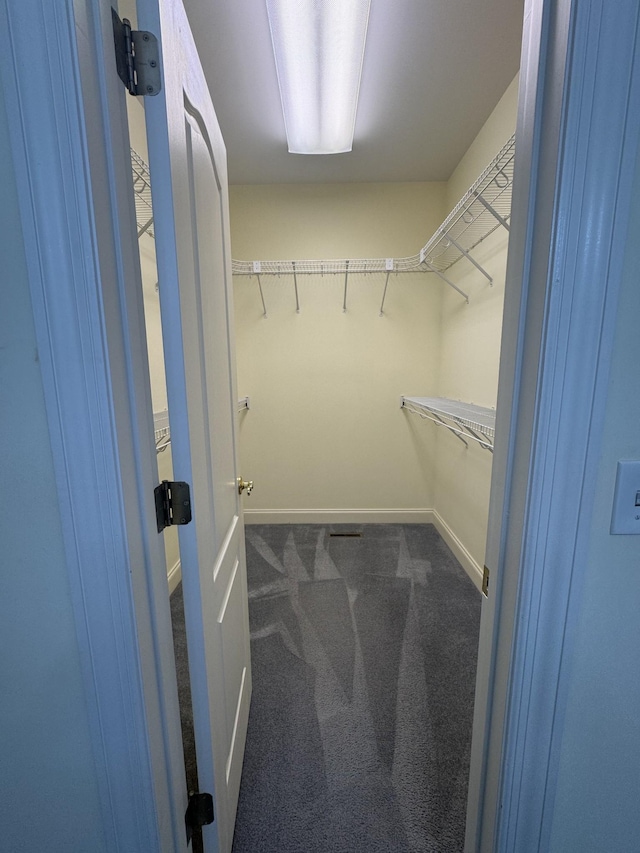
625, 517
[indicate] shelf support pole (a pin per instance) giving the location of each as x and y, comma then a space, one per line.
492, 210
469, 258
295, 284
264, 307
346, 279
445, 279
384, 295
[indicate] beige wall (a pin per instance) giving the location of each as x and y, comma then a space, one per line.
325, 431
470, 353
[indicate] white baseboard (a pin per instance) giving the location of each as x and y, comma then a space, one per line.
468, 563
174, 576
372, 516
339, 516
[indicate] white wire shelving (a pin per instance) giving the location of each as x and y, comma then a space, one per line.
485, 207
464, 420
162, 430
142, 190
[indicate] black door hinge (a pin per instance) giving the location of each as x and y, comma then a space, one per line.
199, 813
137, 57
173, 504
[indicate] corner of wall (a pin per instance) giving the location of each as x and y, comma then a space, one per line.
470, 353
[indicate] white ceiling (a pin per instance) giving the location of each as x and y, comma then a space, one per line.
433, 71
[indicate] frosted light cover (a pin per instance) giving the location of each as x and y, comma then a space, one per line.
319, 49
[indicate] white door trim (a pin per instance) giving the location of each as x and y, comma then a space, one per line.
582, 101
71, 172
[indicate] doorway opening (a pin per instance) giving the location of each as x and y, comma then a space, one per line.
325, 383
457, 352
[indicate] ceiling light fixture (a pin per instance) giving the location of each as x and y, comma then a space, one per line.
319, 48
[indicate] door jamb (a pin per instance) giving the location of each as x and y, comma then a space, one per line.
582, 99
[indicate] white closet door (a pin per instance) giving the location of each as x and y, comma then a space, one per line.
191, 221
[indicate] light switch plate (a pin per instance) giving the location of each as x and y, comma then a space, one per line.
626, 499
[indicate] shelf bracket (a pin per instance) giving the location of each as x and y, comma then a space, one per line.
456, 432
469, 258
482, 439
492, 210
435, 418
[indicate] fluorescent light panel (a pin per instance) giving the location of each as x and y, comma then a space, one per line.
319, 48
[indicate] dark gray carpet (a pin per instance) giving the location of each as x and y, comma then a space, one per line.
363, 656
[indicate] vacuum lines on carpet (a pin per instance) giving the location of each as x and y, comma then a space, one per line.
363, 656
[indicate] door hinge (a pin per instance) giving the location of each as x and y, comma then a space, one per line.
485, 582
173, 504
137, 57
199, 813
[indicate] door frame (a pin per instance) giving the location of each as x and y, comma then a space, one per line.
69, 137
576, 146
89, 326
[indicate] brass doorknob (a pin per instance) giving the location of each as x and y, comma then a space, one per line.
244, 484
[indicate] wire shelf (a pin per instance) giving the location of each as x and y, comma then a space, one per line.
485, 207
465, 420
142, 190
161, 430
336, 266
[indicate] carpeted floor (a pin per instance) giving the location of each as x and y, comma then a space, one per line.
363, 655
